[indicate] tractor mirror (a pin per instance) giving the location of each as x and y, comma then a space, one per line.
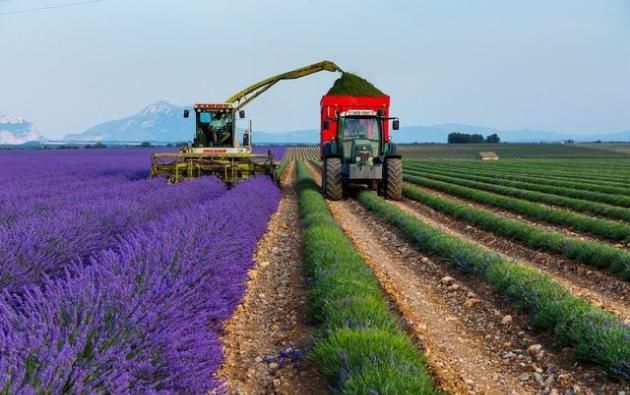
241, 114
396, 124
246, 139
186, 113
326, 125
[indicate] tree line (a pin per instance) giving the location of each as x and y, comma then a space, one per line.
465, 138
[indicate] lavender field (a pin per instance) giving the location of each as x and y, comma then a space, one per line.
116, 283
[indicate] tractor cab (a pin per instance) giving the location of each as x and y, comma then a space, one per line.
360, 136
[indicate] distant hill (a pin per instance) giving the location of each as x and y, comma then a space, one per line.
438, 134
162, 122
17, 130
158, 122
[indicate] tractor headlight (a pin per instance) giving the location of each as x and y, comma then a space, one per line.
358, 159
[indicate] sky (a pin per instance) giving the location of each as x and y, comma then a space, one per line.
561, 65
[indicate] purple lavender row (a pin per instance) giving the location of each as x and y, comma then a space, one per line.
46, 243
75, 164
276, 151
141, 318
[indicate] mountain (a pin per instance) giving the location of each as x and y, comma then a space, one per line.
162, 122
158, 122
16, 130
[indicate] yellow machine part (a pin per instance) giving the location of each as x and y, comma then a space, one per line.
231, 168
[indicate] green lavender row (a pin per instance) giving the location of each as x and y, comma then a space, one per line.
359, 346
584, 206
597, 336
584, 251
616, 231
599, 193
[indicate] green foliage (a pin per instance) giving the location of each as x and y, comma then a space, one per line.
513, 151
618, 195
597, 336
97, 145
282, 168
464, 138
353, 85
360, 346
588, 252
373, 361
607, 229
531, 192
493, 139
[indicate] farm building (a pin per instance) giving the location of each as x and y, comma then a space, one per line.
488, 155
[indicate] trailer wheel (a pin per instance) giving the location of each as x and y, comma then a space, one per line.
393, 179
333, 186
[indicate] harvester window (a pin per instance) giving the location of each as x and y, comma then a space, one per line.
205, 117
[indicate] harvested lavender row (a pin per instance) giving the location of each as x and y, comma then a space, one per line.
141, 318
353, 85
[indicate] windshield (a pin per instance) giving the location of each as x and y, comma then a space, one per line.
214, 129
365, 128
216, 120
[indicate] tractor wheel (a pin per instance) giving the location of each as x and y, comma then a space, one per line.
333, 187
393, 179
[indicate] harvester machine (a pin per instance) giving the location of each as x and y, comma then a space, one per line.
216, 149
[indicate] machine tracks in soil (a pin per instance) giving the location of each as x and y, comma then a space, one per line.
263, 340
460, 323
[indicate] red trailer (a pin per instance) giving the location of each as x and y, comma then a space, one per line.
355, 145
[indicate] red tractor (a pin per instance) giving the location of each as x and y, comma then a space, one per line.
356, 148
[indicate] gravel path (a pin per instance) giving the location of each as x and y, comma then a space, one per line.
264, 340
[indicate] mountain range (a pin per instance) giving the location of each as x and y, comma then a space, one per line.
162, 122
158, 122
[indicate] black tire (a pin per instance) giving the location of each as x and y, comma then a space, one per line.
333, 186
393, 178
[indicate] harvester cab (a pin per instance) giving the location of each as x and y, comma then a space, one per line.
356, 147
215, 126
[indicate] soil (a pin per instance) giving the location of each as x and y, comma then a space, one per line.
265, 340
598, 287
474, 341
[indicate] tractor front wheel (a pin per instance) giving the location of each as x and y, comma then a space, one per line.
393, 179
331, 177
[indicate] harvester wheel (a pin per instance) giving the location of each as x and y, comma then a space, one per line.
393, 178
333, 186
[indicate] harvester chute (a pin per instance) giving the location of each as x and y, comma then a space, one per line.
216, 149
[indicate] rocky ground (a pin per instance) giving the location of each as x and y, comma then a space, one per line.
265, 339
473, 340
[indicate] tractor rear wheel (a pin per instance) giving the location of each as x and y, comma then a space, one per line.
393, 179
333, 186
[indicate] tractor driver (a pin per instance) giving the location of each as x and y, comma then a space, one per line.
354, 128
220, 128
